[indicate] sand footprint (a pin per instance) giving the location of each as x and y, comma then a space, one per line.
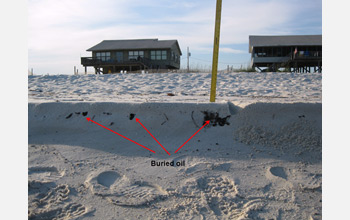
44, 174
276, 173
48, 201
306, 180
102, 181
137, 194
54, 196
119, 190
217, 196
219, 193
70, 211
279, 176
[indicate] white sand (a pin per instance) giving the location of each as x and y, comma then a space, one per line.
238, 88
253, 161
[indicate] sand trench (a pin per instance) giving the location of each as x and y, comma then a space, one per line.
246, 165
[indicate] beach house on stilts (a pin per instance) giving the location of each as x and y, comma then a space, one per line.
113, 56
297, 53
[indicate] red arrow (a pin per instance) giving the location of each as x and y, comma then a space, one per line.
206, 123
89, 119
138, 120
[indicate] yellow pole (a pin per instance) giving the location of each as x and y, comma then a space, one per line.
215, 51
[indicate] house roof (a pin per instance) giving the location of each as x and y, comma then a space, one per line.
286, 40
137, 44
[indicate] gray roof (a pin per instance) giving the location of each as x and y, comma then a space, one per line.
137, 44
286, 40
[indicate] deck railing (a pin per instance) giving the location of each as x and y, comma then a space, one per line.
140, 61
94, 61
305, 55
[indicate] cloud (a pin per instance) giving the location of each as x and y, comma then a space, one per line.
230, 50
222, 49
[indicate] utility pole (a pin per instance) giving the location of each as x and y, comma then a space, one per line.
215, 50
188, 59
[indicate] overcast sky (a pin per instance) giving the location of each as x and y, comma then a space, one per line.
60, 32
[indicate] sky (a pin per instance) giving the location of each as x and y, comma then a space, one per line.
60, 32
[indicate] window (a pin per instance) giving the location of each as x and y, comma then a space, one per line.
119, 56
259, 52
104, 56
159, 55
278, 52
134, 55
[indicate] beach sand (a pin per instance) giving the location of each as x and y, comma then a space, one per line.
260, 157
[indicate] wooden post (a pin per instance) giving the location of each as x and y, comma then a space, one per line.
188, 59
85, 70
75, 70
215, 51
